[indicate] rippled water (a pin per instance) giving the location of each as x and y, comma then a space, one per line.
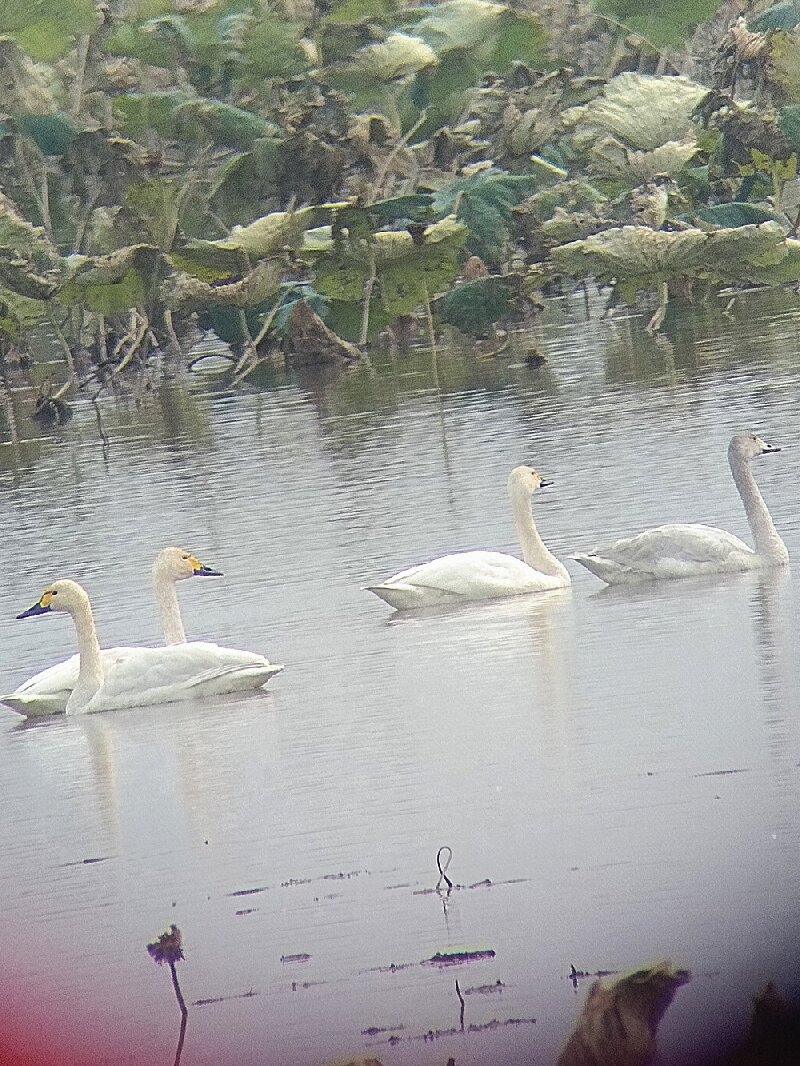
621, 765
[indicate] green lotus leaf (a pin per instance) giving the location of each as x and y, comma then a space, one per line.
642, 110
233, 256
564, 226
112, 284
782, 16
17, 274
664, 24
650, 256
46, 29
17, 233
460, 24
613, 159
52, 134
254, 288
485, 203
474, 306
784, 63
729, 216
28, 87
137, 112
408, 272
18, 313
399, 56
212, 121
789, 123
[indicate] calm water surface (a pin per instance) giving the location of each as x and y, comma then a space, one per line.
620, 765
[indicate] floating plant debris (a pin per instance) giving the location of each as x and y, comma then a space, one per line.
247, 910
486, 883
580, 975
457, 958
483, 990
482, 1027
224, 999
249, 891
393, 967
86, 862
299, 957
724, 773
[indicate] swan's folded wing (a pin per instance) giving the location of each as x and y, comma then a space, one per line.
46, 692
466, 575
673, 551
139, 676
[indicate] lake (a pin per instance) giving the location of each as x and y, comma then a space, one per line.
615, 771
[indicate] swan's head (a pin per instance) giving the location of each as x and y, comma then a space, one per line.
176, 564
748, 446
525, 478
60, 596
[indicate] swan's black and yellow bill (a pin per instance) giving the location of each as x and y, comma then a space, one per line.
200, 570
545, 484
42, 606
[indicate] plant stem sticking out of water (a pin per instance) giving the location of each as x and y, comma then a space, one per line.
169, 949
443, 868
461, 1012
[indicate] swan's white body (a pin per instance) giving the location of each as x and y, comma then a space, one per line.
675, 551
132, 677
483, 575
141, 677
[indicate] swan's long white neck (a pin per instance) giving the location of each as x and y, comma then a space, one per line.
534, 551
90, 673
766, 538
168, 607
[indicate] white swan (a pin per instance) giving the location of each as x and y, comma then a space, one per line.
47, 692
483, 575
135, 677
173, 565
692, 550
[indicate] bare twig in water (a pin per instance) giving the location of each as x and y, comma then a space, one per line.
432, 339
10, 416
443, 868
169, 949
461, 1012
103, 435
368, 287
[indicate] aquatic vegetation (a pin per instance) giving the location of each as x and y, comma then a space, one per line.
297, 182
169, 949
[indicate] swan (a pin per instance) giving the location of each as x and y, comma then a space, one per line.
483, 575
47, 692
173, 565
137, 677
692, 550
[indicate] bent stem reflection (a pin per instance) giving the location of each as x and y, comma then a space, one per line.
168, 948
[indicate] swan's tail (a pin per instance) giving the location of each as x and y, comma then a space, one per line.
606, 569
35, 706
388, 593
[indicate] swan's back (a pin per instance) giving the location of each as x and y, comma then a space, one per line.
135, 677
472, 575
670, 551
